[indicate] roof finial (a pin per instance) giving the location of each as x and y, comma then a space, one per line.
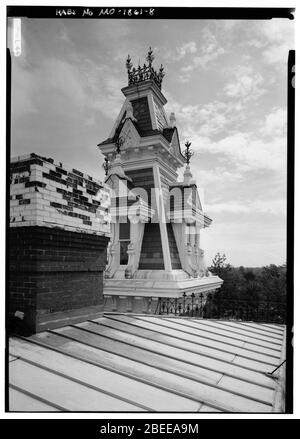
106, 165
128, 64
161, 72
119, 143
150, 56
187, 152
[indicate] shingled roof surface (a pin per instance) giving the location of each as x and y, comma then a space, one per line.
143, 123
168, 133
147, 363
142, 114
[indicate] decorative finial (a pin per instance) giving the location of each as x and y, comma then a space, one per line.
128, 64
187, 152
106, 165
119, 143
150, 56
161, 72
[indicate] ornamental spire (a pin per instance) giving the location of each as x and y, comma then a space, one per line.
106, 165
150, 57
128, 64
187, 153
161, 72
119, 143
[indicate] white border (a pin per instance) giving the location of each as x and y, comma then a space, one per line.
128, 416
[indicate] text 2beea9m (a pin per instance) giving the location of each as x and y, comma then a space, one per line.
150, 428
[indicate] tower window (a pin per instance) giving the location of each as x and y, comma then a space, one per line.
124, 231
124, 239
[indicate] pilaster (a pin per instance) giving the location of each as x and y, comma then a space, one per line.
162, 218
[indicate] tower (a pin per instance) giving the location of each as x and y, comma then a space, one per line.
156, 219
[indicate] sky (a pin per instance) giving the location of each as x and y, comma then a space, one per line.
226, 82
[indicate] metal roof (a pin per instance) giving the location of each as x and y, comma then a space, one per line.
139, 363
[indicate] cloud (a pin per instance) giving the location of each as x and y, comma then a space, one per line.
275, 123
210, 50
219, 174
184, 77
222, 130
64, 78
277, 35
265, 246
263, 206
231, 206
207, 120
277, 30
22, 91
247, 151
186, 48
273, 207
276, 54
83, 87
63, 35
246, 84
208, 56
103, 84
256, 43
199, 62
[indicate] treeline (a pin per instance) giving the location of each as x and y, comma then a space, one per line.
248, 293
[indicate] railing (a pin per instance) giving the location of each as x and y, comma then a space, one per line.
144, 73
192, 305
268, 311
196, 305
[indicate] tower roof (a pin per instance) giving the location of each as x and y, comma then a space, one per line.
143, 115
142, 124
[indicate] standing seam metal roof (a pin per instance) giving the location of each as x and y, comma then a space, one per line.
129, 363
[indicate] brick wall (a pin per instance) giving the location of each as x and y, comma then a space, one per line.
47, 194
56, 261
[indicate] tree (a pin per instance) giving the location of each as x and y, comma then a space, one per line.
273, 281
248, 293
218, 264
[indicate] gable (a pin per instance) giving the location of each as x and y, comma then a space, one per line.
129, 134
175, 143
141, 113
